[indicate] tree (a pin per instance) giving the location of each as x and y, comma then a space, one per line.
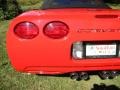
9, 8
2, 9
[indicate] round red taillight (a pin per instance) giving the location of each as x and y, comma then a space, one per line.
56, 30
26, 30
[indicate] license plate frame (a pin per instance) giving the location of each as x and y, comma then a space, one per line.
101, 43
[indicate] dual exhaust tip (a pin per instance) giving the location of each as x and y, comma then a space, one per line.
103, 75
108, 74
79, 76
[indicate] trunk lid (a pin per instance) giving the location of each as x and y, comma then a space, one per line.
85, 18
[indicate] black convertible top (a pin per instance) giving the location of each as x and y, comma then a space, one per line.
56, 4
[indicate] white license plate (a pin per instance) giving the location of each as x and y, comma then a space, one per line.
101, 50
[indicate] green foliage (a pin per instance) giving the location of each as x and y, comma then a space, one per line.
12, 9
9, 9
1, 14
34, 2
28, 2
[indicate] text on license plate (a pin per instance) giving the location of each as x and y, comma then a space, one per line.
101, 50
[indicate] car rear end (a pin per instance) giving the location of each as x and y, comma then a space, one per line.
65, 41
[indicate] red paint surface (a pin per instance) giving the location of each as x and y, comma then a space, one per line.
44, 55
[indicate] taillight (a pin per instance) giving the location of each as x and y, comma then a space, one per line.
26, 30
77, 50
56, 30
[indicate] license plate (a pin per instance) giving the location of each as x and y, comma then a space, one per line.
101, 50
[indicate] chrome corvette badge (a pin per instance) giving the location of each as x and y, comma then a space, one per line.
97, 30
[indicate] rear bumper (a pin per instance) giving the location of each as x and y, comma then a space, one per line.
63, 70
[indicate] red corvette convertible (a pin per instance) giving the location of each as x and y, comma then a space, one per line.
66, 36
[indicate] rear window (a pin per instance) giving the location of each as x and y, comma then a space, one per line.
54, 4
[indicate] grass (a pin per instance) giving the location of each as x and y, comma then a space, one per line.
13, 80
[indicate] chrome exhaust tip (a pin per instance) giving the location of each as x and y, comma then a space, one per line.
105, 74
114, 74
84, 76
74, 76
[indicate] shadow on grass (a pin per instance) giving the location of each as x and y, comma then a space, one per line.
68, 74
60, 75
85, 77
104, 87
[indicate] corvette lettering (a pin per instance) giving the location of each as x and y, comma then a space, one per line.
97, 30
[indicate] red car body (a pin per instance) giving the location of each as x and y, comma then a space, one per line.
45, 55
